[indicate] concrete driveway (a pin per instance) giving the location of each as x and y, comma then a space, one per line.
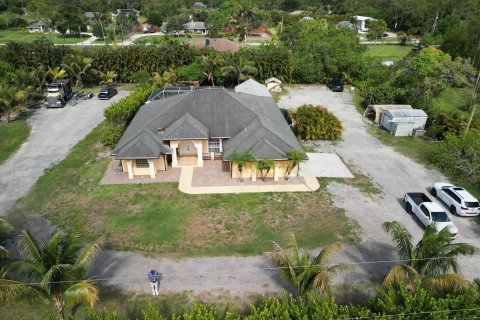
394, 173
54, 133
324, 165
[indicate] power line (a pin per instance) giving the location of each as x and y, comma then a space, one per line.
184, 274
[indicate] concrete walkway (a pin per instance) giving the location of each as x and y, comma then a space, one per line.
185, 185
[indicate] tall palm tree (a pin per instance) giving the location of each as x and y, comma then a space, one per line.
429, 262
79, 68
241, 158
305, 272
55, 270
209, 63
296, 157
238, 68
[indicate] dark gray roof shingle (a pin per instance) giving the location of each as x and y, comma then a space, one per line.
249, 122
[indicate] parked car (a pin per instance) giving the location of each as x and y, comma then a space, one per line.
107, 93
458, 200
428, 212
336, 85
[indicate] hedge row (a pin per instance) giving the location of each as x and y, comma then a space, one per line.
119, 114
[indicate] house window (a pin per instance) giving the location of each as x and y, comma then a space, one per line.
141, 163
214, 145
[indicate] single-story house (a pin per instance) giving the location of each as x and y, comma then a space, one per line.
202, 125
195, 27
373, 112
253, 87
126, 12
361, 22
39, 26
219, 44
274, 84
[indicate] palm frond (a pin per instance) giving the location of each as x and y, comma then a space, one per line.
14, 290
28, 247
82, 292
447, 283
89, 254
400, 274
325, 255
401, 238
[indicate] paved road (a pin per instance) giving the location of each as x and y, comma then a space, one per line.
54, 132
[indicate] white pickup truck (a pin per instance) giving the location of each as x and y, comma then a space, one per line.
428, 212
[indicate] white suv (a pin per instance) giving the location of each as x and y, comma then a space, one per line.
458, 200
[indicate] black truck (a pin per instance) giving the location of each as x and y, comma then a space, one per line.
58, 93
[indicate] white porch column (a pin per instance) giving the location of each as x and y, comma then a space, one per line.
254, 172
276, 171
130, 169
198, 146
221, 145
151, 166
174, 146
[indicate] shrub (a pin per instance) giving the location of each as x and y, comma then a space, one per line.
316, 123
120, 113
460, 156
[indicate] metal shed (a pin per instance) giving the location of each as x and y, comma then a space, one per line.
402, 122
373, 112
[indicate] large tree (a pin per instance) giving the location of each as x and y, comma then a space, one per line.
55, 270
429, 263
306, 273
238, 68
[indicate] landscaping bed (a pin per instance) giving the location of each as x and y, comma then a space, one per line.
159, 219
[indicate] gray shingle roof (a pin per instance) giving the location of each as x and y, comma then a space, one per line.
36, 25
194, 25
253, 87
248, 122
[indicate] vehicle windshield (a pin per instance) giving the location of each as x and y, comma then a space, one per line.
440, 217
474, 204
52, 89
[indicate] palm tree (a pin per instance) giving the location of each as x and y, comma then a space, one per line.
305, 272
296, 157
56, 270
265, 165
107, 78
11, 100
167, 78
56, 73
238, 68
80, 68
241, 158
5, 228
429, 262
209, 63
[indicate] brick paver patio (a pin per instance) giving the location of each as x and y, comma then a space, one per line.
216, 173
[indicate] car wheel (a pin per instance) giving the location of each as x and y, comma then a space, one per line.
453, 210
433, 191
409, 208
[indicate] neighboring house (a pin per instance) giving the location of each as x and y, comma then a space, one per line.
202, 125
361, 22
126, 12
274, 84
219, 44
253, 87
195, 27
90, 16
199, 4
39, 26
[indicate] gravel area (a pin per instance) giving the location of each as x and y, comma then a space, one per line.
54, 133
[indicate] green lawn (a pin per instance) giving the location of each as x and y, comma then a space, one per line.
158, 219
22, 34
12, 135
454, 99
388, 52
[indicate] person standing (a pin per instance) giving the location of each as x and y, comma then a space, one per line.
153, 278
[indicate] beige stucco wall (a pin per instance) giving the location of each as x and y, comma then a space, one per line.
182, 146
159, 164
247, 170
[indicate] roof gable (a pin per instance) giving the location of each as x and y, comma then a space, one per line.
253, 87
186, 127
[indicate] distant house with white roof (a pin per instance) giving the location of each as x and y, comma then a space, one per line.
361, 22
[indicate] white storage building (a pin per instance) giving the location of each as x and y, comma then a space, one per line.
403, 122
